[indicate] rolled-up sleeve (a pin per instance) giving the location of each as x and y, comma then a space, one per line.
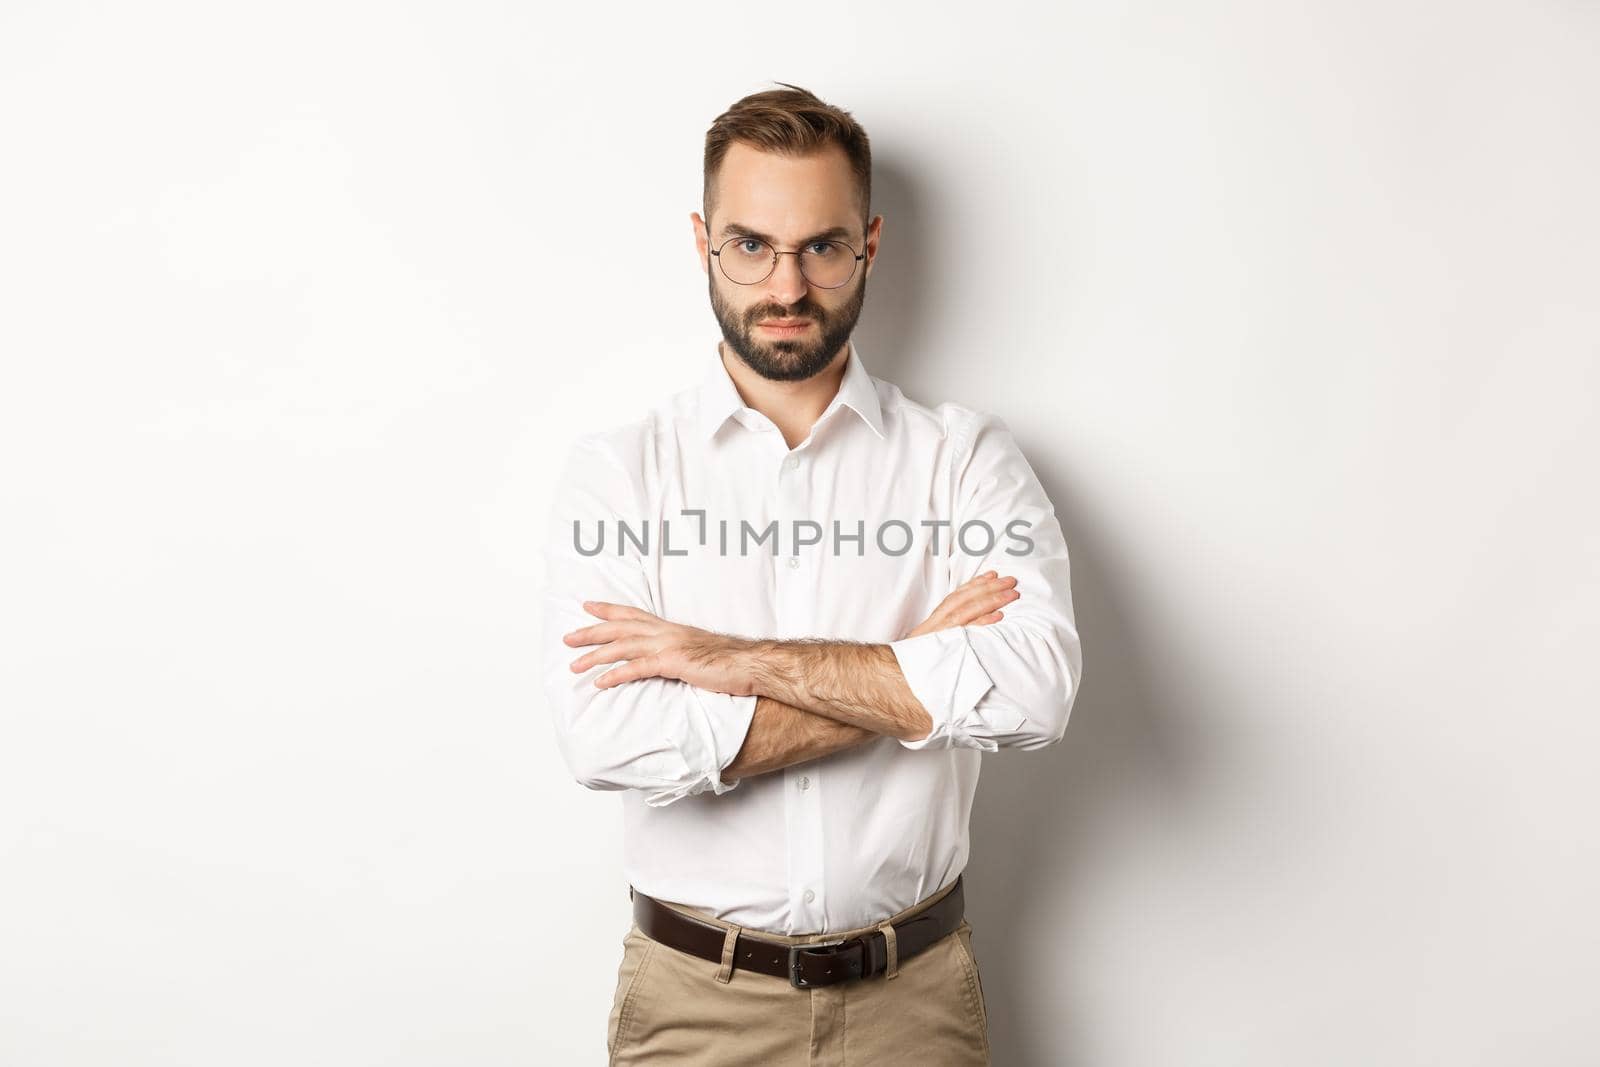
659, 735
1012, 683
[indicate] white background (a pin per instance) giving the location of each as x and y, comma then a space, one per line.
1292, 308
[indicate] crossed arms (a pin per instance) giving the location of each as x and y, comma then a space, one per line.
692, 710
813, 697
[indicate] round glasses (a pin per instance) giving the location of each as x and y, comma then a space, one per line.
825, 264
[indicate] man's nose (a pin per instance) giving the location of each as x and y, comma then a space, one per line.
787, 285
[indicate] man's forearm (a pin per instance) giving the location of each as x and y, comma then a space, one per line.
782, 734
852, 683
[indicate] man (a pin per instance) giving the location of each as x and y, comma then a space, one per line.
787, 611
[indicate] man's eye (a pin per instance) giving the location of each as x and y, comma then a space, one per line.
750, 246
822, 248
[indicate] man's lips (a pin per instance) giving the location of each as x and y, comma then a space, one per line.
779, 324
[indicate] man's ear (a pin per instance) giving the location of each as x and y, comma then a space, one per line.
874, 230
702, 240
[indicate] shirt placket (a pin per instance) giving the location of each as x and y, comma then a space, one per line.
794, 585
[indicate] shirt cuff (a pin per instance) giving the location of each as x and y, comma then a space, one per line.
708, 737
945, 675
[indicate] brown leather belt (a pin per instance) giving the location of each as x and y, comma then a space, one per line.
817, 964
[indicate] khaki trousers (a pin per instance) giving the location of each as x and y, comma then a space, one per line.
673, 1008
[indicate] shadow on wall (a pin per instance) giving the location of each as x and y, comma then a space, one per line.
1033, 826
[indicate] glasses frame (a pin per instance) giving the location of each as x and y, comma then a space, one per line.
859, 256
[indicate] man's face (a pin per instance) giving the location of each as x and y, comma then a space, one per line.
791, 201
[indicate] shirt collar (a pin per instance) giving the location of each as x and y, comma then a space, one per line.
719, 399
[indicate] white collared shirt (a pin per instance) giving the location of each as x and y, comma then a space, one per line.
886, 507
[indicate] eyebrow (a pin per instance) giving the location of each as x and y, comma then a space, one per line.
736, 228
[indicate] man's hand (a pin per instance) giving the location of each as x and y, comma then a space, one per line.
975, 603
655, 647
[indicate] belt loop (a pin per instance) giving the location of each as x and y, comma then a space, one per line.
725, 971
893, 968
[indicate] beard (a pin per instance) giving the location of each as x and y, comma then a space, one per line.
786, 359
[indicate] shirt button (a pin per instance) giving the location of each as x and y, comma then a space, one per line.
794, 561
805, 783
792, 463
810, 896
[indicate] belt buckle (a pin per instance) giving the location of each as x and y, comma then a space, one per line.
795, 978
